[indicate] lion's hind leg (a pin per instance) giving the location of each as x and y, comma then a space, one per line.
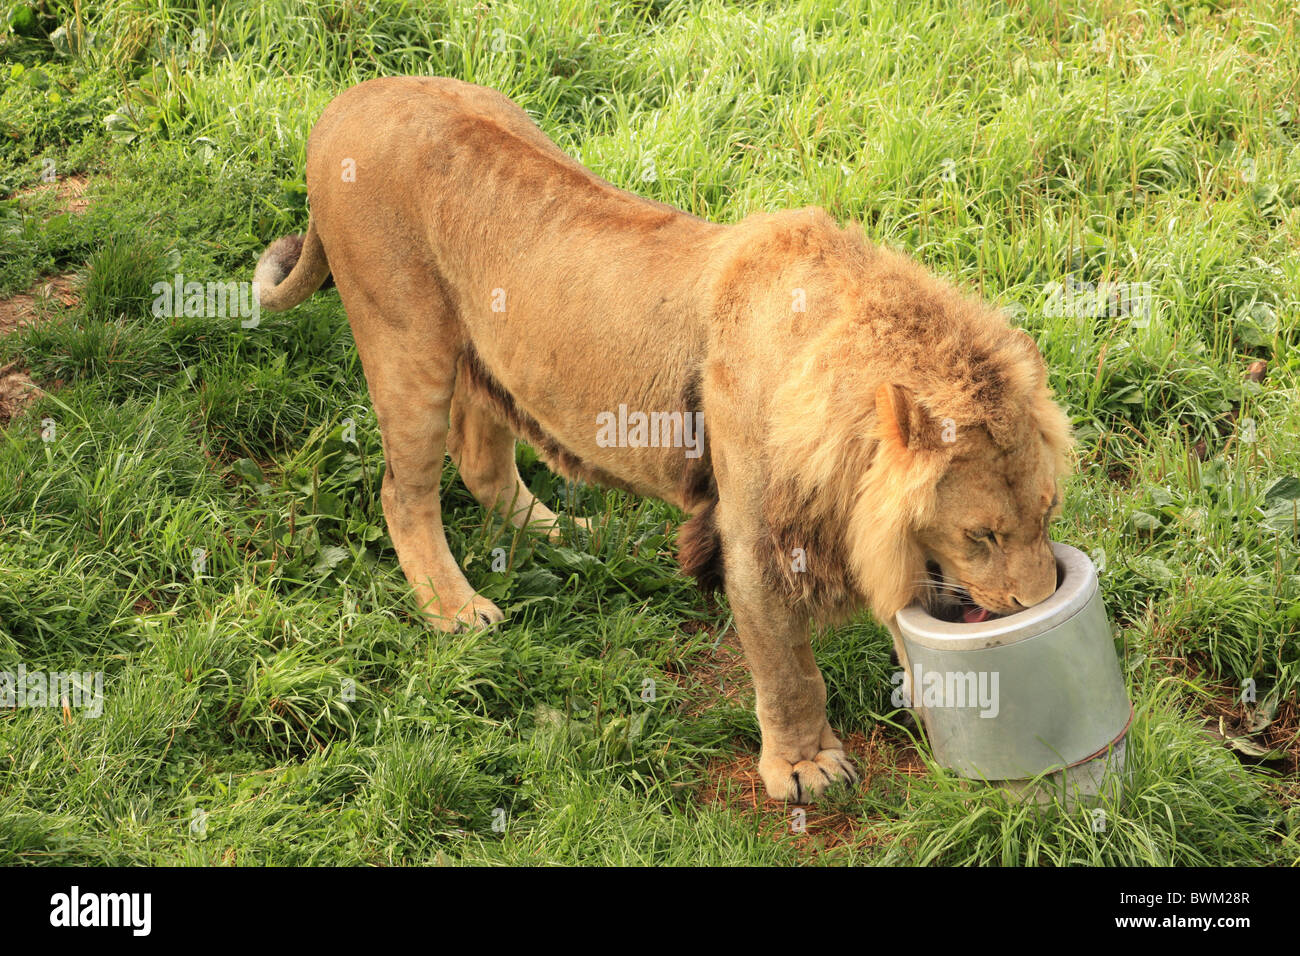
483, 449
411, 379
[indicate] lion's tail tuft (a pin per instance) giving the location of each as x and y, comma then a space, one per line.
290, 270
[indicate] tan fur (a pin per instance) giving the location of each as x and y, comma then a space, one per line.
831, 374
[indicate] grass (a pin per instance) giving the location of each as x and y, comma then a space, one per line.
204, 525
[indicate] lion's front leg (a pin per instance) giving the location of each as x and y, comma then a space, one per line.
801, 756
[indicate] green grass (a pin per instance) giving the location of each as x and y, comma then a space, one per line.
202, 530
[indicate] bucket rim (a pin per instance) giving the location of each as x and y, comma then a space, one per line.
1077, 588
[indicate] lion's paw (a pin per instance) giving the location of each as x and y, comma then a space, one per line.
476, 613
804, 781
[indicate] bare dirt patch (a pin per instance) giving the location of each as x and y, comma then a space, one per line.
70, 192
719, 673
1263, 733
26, 308
884, 758
1260, 732
17, 390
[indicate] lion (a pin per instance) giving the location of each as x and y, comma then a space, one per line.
873, 436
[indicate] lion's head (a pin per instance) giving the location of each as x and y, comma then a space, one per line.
977, 485
915, 451
985, 544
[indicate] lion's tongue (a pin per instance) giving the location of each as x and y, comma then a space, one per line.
975, 614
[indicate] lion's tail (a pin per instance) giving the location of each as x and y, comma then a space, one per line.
290, 270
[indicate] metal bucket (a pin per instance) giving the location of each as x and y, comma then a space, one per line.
1013, 697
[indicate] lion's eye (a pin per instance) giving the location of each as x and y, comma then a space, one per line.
983, 534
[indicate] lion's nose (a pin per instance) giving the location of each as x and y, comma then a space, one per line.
1037, 584
1036, 596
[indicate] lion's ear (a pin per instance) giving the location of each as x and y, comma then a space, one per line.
894, 416
903, 424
